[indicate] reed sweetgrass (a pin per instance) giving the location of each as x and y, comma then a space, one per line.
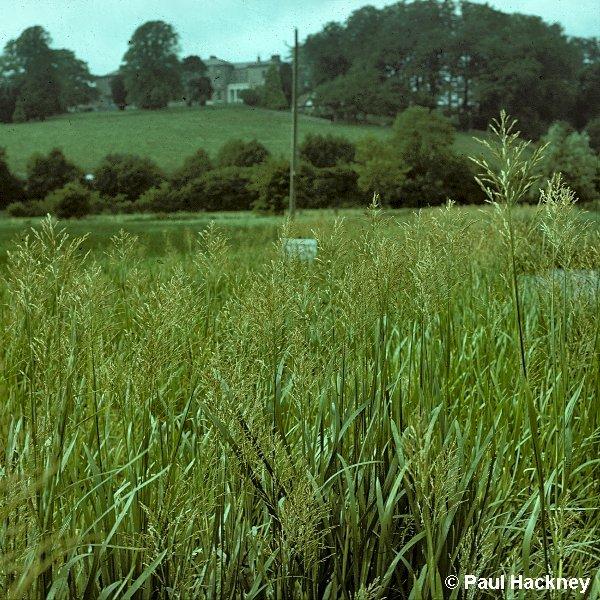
357, 427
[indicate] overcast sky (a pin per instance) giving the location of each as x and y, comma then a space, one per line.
237, 30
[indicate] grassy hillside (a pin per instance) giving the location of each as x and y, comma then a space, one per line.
166, 136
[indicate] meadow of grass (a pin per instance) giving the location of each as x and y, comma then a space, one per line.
167, 136
223, 422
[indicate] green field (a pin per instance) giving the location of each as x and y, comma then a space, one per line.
167, 136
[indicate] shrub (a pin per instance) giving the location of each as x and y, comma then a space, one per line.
271, 183
220, 189
237, 153
593, 131
29, 208
126, 174
70, 202
250, 97
569, 153
11, 187
327, 150
417, 166
160, 199
334, 187
48, 173
193, 167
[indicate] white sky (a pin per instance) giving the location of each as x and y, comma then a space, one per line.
98, 30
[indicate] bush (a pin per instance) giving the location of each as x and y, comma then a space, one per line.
327, 150
334, 187
126, 174
569, 153
70, 202
593, 131
193, 167
11, 187
250, 97
48, 173
29, 208
417, 166
237, 153
271, 183
221, 189
161, 199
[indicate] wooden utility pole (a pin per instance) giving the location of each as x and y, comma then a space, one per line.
294, 157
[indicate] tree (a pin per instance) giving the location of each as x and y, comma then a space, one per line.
8, 100
151, 68
272, 91
11, 187
593, 131
127, 175
193, 167
48, 173
326, 150
417, 166
238, 153
76, 82
34, 71
118, 91
73, 201
569, 153
197, 86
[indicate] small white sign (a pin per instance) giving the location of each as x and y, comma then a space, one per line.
300, 248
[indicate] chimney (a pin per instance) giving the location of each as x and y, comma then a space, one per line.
213, 56
276, 58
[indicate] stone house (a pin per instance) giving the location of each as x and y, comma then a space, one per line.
229, 79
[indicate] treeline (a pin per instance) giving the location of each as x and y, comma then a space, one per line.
416, 166
37, 81
469, 59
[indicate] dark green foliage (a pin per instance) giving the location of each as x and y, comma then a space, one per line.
151, 67
193, 167
468, 58
197, 86
251, 97
48, 173
126, 174
593, 131
11, 187
42, 81
334, 187
76, 82
238, 153
29, 208
220, 189
327, 150
417, 166
70, 202
569, 153
118, 91
8, 100
271, 182
272, 90
158, 199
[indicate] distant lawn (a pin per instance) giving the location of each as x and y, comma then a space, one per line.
167, 136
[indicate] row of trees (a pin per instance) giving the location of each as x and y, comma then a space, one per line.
37, 81
467, 58
416, 166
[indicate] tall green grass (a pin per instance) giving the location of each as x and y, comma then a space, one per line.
421, 400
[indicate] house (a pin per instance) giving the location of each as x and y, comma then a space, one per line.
230, 79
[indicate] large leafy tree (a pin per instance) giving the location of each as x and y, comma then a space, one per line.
31, 64
151, 67
195, 80
272, 90
37, 81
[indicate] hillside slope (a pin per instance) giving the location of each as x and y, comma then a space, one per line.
166, 136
